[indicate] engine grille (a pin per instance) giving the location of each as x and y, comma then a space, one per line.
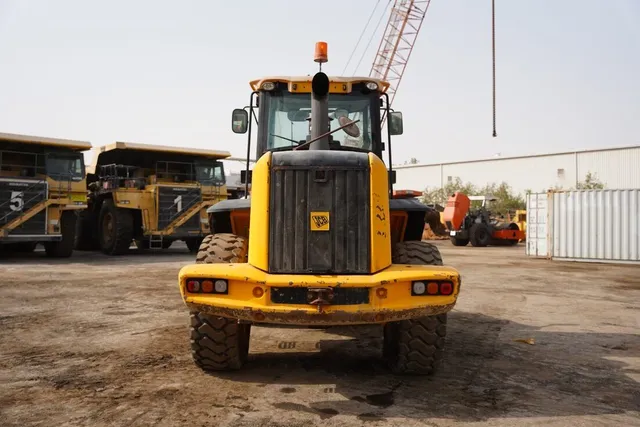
17, 197
174, 201
319, 181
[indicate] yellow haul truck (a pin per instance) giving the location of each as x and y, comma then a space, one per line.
42, 186
320, 240
151, 195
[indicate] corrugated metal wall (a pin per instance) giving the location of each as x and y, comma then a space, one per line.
588, 225
615, 168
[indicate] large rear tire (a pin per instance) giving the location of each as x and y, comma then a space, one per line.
220, 343
415, 346
115, 229
63, 248
458, 242
193, 244
479, 235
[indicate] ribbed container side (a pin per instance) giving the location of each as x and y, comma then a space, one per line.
596, 225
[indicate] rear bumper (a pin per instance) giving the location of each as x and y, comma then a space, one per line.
389, 295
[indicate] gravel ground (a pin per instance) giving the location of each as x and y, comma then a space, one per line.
103, 341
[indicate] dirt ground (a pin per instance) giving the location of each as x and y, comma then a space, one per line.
101, 341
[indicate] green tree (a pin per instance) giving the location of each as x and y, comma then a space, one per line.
590, 182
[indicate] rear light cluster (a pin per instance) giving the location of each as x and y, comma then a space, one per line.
420, 287
207, 286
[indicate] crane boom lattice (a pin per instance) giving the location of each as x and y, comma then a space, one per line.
397, 42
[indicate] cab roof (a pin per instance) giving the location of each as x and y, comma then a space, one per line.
40, 140
256, 84
118, 145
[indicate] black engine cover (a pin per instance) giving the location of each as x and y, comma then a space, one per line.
18, 196
319, 213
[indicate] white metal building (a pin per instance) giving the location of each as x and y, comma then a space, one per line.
617, 168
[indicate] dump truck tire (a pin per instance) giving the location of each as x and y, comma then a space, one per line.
63, 248
193, 244
479, 235
119, 221
415, 346
219, 343
85, 239
458, 242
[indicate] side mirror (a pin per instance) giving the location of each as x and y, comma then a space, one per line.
395, 123
239, 120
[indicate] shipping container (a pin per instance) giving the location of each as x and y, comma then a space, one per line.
584, 225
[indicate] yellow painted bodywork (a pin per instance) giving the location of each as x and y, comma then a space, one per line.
62, 196
395, 303
302, 84
259, 214
147, 201
241, 303
380, 217
119, 145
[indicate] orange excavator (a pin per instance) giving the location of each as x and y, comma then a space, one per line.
477, 225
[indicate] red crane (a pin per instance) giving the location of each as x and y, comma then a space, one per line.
400, 34
403, 26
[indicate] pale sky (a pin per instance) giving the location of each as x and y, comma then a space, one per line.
170, 73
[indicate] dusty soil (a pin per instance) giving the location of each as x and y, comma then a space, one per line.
100, 341
428, 234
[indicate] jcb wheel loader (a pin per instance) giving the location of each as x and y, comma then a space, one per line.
320, 241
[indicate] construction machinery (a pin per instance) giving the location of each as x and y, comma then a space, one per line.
321, 241
150, 194
42, 186
477, 225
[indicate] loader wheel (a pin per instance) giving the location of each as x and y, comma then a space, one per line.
116, 229
63, 248
222, 248
479, 235
458, 242
415, 346
219, 343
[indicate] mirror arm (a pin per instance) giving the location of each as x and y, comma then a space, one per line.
251, 113
388, 109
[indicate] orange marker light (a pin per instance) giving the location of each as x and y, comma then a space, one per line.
432, 288
207, 286
321, 52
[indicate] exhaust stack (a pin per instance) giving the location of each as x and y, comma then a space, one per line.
319, 111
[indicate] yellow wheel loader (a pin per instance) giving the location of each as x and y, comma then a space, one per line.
150, 194
320, 241
42, 187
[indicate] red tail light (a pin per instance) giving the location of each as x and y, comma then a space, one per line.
193, 286
446, 288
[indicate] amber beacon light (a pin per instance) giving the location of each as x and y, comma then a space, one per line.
321, 52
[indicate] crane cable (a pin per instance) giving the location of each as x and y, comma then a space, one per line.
493, 47
360, 38
384, 12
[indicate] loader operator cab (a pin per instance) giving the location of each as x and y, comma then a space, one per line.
356, 107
